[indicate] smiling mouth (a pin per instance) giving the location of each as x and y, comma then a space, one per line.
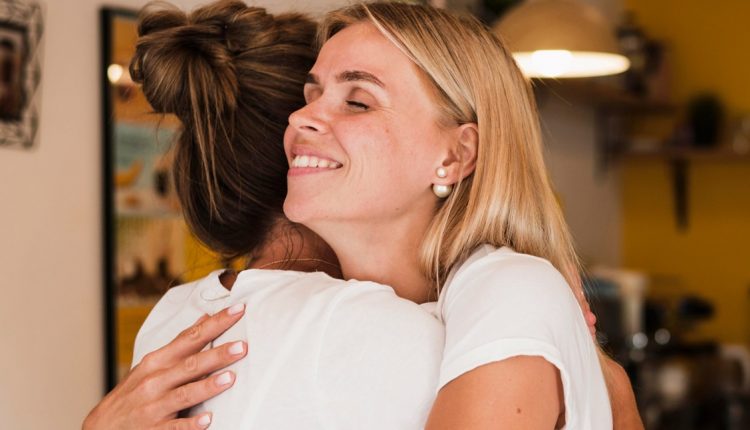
311, 161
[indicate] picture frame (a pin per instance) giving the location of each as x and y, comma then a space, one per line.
147, 245
21, 35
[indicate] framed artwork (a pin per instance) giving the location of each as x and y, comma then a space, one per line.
21, 31
148, 247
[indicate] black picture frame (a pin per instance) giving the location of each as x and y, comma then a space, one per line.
147, 245
106, 18
21, 33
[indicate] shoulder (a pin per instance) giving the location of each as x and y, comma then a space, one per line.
173, 301
389, 345
168, 317
505, 264
386, 327
377, 308
501, 304
493, 277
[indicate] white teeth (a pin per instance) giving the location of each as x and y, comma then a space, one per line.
313, 161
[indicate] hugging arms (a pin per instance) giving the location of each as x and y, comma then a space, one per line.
413, 158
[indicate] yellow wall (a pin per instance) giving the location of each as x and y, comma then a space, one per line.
709, 44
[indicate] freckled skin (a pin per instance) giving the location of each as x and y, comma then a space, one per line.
388, 150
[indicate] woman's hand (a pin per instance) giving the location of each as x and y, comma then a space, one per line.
172, 379
590, 320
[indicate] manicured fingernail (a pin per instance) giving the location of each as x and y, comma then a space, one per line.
234, 310
236, 348
224, 378
204, 421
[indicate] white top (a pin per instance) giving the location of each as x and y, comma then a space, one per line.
500, 304
326, 353
322, 353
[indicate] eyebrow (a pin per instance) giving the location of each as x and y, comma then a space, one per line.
349, 76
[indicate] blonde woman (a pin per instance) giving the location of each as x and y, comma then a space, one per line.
378, 158
436, 136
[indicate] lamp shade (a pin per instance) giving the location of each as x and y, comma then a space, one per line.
561, 39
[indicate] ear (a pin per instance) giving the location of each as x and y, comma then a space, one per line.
461, 157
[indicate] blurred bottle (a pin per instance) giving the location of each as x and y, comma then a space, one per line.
633, 45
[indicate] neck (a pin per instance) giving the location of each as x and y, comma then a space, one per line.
292, 246
387, 253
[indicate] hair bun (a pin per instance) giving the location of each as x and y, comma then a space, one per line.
159, 16
176, 51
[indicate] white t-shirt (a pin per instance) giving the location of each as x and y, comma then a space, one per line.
322, 353
326, 353
500, 304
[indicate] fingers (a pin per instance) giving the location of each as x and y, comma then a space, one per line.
194, 338
198, 335
199, 365
189, 395
591, 322
193, 423
590, 319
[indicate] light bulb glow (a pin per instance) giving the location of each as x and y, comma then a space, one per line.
569, 64
114, 73
551, 63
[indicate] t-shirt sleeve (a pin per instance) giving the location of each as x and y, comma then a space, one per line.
374, 346
505, 305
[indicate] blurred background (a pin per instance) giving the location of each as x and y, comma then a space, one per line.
651, 165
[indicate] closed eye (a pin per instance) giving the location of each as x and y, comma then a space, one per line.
357, 105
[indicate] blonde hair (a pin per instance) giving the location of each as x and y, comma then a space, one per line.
508, 200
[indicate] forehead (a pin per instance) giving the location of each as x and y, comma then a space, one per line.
363, 47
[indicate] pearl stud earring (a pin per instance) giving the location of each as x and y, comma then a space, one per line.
442, 191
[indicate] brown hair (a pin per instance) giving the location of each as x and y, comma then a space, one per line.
232, 75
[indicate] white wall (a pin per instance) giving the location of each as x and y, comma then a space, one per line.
51, 366
590, 196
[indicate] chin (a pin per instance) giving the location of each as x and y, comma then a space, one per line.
301, 212
293, 212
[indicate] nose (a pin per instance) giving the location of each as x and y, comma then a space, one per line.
309, 119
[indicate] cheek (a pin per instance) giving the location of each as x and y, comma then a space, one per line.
379, 146
289, 134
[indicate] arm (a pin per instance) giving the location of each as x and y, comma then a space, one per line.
520, 392
505, 313
473, 401
625, 414
171, 379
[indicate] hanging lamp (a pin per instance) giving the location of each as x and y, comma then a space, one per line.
561, 39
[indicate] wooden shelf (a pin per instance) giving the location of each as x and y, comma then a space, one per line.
601, 96
616, 110
688, 154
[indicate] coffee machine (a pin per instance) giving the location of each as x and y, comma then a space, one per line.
679, 382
